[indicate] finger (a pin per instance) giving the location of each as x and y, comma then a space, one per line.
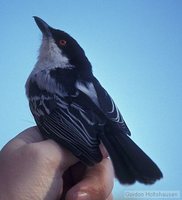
76, 173
72, 176
103, 151
25, 137
31, 140
30, 135
55, 153
110, 197
97, 183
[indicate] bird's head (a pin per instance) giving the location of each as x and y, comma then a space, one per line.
59, 48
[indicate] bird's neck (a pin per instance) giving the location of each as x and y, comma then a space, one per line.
83, 68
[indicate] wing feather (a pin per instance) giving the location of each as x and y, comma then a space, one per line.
70, 124
109, 108
105, 105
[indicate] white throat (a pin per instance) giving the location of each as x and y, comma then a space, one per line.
50, 56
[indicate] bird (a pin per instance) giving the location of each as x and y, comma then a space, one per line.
71, 107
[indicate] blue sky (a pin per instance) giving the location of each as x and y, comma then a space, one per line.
135, 47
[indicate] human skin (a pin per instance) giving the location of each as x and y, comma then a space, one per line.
32, 168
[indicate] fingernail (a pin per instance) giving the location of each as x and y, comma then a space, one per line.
82, 196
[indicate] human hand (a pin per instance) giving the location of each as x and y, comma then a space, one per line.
37, 169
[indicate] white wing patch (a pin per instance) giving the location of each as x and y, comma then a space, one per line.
89, 90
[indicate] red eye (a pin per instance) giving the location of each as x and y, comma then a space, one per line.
62, 42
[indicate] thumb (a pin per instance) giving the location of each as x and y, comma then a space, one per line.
58, 155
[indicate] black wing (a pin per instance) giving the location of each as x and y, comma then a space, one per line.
106, 105
68, 121
109, 108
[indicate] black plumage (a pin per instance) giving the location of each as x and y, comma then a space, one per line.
70, 106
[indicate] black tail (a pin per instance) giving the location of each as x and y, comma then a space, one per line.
130, 162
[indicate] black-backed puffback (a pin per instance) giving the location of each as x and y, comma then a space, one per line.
71, 107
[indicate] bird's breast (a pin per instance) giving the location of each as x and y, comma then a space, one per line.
46, 82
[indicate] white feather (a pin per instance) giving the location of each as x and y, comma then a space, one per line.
50, 57
89, 90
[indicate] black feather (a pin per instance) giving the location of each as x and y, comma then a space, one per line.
67, 123
130, 162
70, 106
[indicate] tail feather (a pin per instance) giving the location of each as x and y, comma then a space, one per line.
130, 162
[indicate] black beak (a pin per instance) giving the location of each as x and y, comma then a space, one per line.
43, 26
